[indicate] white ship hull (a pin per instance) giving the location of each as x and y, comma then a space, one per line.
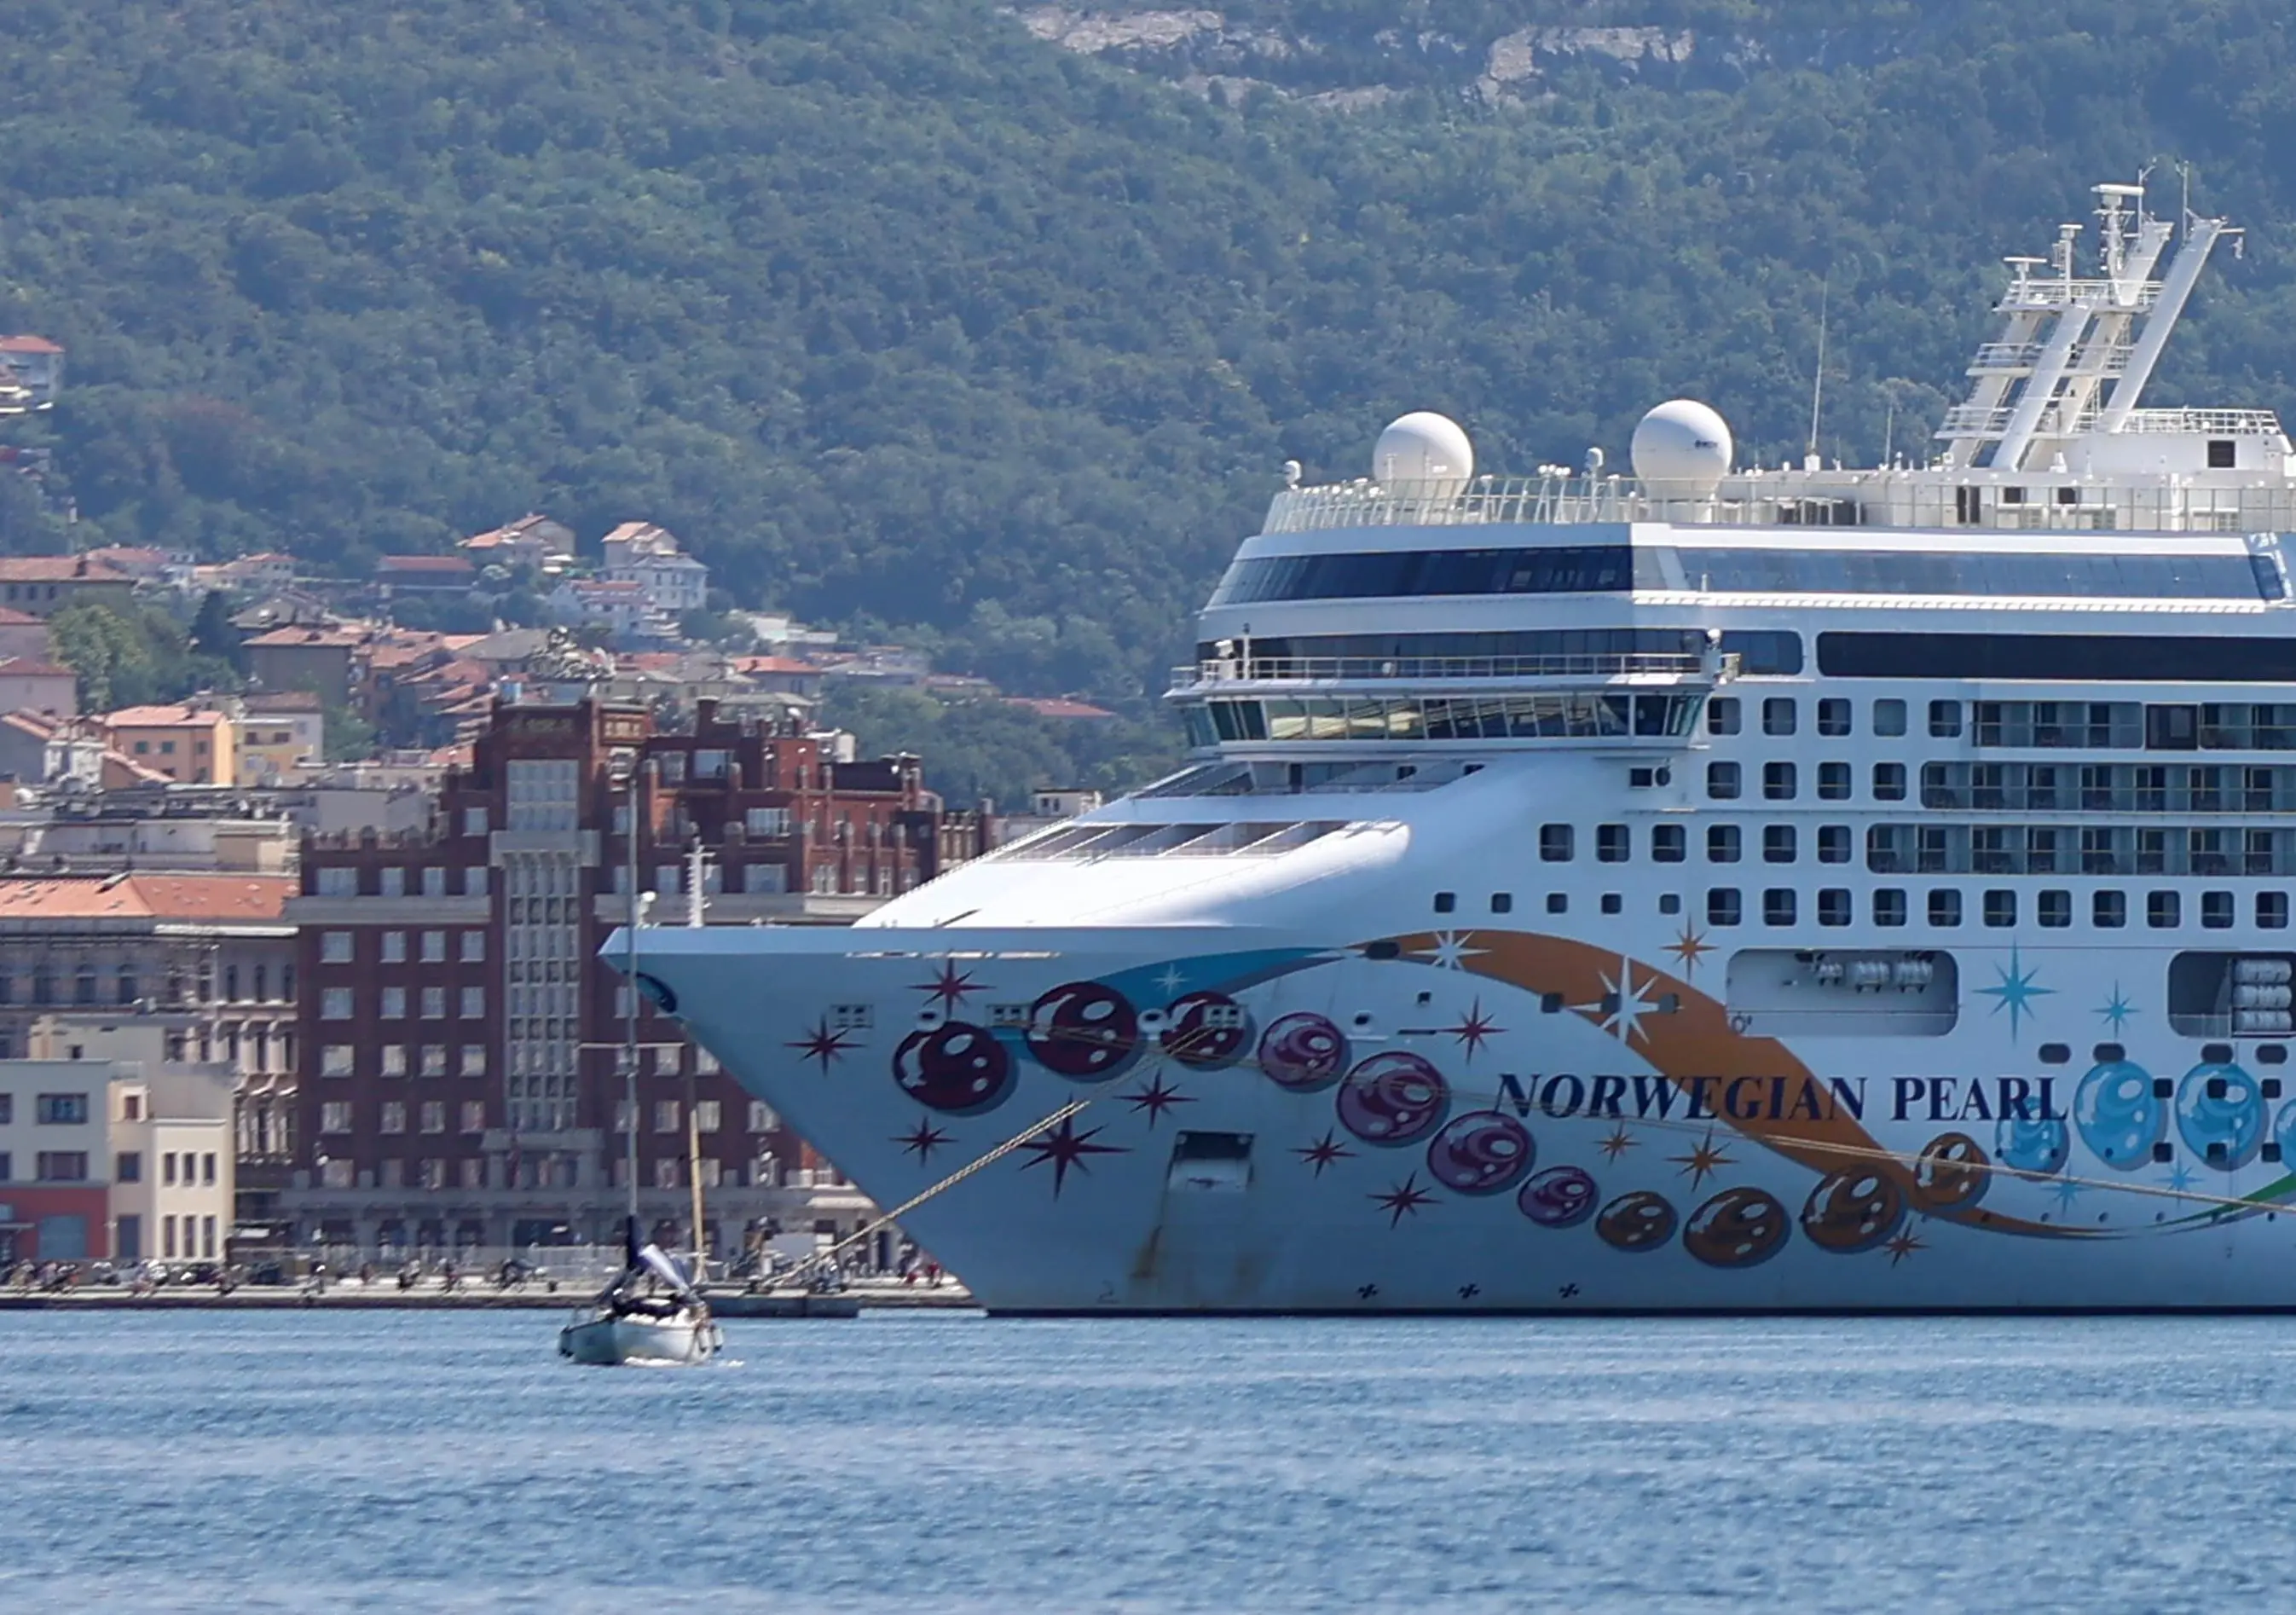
1565, 1160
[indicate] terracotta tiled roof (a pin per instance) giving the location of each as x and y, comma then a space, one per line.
774, 664
11, 618
277, 700
1058, 707
27, 344
335, 638
163, 717
155, 897
25, 666
58, 569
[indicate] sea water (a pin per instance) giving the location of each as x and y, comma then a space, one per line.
419, 1462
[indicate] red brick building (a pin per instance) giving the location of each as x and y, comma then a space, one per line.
459, 1077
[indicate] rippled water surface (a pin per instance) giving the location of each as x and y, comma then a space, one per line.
415, 1461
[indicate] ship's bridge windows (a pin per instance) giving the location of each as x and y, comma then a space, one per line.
1778, 715
1722, 714
1561, 714
1561, 569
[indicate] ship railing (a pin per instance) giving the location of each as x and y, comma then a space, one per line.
1978, 421
2090, 360
2055, 292
1360, 669
2020, 500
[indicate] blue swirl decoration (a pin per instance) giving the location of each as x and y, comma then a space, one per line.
2038, 1147
2283, 1131
2226, 1128
2116, 1116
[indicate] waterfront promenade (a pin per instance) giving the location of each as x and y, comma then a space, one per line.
382, 1293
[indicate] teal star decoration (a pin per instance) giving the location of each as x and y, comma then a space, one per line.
2016, 990
2181, 1177
2067, 1192
2117, 1011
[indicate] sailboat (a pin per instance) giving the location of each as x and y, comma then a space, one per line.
651, 1312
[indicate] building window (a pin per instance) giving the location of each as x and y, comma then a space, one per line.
393, 880
1722, 782
394, 947
1945, 907
127, 1167
2000, 908
762, 1118
474, 821
61, 1110
1778, 844
665, 1116
474, 881
474, 1004
1669, 843
434, 942
1778, 906
394, 1116
2216, 910
1778, 782
434, 1116
336, 1059
434, 1003
335, 1115
1889, 782
1778, 715
394, 1003
61, 1165
474, 947
474, 1059
2109, 910
1722, 905
1945, 720
434, 1060
394, 1059
474, 1116
2054, 909
707, 1115
1722, 714
1722, 844
2162, 910
1556, 843
1613, 843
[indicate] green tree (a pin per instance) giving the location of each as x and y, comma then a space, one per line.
214, 633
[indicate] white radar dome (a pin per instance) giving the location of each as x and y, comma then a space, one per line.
1426, 448
1682, 450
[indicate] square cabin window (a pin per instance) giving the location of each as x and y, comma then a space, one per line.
1889, 716
1945, 907
1669, 843
1778, 844
2216, 910
1889, 782
1446, 901
1613, 843
1502, 902
2000, 908
2163, 911
1779, 715
1945, 720
1778, 906
1722, 782
2109, 910
1556, 843
1722, 845
1833, 906
1833, 782
1834, 718
2272, 911
1889, 907
1778, 783
1722, 907
1722, 714
2054, 909
1833, 843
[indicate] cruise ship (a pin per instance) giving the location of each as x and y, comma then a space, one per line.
1721, 889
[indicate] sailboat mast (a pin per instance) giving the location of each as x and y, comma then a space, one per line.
630, 1018
696, 871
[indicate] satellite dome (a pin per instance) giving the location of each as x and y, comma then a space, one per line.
1682, 450
1425, 447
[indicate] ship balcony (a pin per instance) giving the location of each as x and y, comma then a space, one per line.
1284, 674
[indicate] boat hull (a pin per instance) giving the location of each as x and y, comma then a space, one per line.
1467, 1122
617, 1341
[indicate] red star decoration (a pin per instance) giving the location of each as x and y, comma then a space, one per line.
1153, 1098
1902, 1246
1703, 1159
1065, 1147
821, 1044
1324, 1150
923, 1141
1406, 1196
949, 986
1475, 1028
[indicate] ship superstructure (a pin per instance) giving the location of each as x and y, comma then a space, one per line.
1715, 889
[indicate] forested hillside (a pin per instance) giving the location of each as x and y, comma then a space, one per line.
923, 315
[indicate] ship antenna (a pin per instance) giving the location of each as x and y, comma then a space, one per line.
1817, 381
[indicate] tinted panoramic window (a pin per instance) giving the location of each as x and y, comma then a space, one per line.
1902, 572
2103, 658
1571, 570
